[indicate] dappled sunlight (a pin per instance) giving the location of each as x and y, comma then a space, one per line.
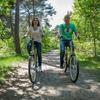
52, 58
89, 80
94, 86
53, 84
50, 91
30, 30
91, 64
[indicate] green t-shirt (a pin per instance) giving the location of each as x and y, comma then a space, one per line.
66, 31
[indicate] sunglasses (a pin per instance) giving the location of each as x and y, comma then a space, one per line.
35, 19
67, 29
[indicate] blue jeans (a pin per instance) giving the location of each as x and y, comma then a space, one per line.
63, 45
39, 50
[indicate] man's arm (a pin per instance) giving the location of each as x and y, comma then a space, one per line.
75, 31
60, 31
77, 35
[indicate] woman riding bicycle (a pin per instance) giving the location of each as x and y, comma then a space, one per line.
66, 31
35, 33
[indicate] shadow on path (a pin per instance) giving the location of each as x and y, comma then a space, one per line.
53, 84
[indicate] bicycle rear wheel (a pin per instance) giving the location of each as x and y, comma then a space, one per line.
74, 69
32, 70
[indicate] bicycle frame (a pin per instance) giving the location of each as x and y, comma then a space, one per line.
67, 56
72, 63
32, 64
34, 53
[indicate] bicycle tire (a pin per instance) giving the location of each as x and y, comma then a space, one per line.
72, 65
32, 70
65, 64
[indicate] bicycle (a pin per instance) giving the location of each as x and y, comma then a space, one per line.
71, 63
32, 64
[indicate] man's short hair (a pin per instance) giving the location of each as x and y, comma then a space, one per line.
67, 16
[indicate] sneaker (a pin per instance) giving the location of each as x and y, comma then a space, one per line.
39, 69
61, 67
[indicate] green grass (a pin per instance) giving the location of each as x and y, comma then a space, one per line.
7, 65
90, 64
87, 62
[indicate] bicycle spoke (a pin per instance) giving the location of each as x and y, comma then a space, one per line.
32, 70
73, 69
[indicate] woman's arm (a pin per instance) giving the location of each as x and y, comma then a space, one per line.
41, 31
28, 33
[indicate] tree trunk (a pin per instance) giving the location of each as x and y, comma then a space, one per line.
11, 22
94, 39
29, 24
16, 35
33, 8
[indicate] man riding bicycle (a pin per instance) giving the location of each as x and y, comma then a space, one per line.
66, 31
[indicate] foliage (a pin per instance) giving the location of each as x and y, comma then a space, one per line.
5, 6
5, 32
86, 15
49, 40
6, 65
7, 48
39, 8
5, 18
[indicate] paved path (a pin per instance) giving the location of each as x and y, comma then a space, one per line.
54, 84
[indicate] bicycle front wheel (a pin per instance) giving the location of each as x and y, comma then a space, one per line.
32, 70
74, 69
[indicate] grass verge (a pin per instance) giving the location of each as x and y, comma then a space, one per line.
8, 64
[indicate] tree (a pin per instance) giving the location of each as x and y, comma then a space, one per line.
23, 11
41, 8
5, 19
16, 34
86, 14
